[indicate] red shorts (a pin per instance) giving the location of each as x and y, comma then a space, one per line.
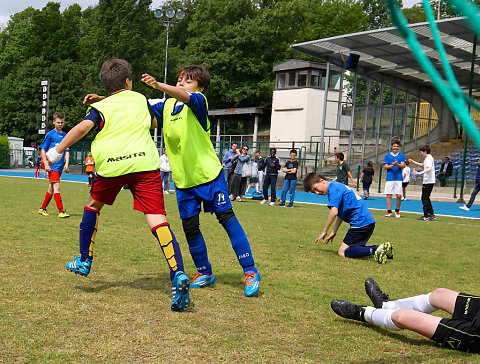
146, 188
54, 176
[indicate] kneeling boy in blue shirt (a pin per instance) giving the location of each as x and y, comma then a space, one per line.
346, 205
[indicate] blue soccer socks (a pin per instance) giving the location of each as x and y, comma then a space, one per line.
170, 248
88, 231
198, 251
240, 244
358, 251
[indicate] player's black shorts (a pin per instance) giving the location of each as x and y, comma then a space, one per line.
359, 235
405, 184
462, 331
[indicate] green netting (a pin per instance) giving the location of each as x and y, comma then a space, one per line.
449, 89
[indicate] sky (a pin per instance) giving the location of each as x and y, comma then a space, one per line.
10, 7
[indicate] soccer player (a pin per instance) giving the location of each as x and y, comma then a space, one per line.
89, 168
52, 139
343, 170
124, 153
394, 162
198, 173
346, 205
460, 332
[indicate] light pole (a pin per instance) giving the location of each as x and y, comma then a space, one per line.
169, 13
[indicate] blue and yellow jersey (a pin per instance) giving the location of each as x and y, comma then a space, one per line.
186, 131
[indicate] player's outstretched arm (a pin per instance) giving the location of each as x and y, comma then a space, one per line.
91, 98
74, 135
176, 92
330, 219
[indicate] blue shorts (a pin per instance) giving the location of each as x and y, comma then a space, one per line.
359, 235
213, 194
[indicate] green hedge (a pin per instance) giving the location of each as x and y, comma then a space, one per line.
4, 152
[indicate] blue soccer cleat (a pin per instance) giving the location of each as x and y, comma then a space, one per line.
79, 267
180, 288
252, 283
202, 280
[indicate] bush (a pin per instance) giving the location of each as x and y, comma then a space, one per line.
4, 151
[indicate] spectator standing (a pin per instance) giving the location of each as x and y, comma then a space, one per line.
290, 182
475, 190
446, 170
239, 182
272, 166
343, 170
165, 171
406, 180
428, 182
229, 158
367, 178
253, 182
261, 169
394, 162
89, 168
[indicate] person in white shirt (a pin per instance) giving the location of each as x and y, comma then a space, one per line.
165, 171
406, 180
428, 181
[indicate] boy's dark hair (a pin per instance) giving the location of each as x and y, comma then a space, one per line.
197, 72
340, 156
370, 165
425, 148
293, 151
59, 115
407, 162
114, 73
310, 180
274, 149
396, 141
233, 144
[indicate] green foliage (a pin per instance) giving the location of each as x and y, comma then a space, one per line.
240, 41
4, 151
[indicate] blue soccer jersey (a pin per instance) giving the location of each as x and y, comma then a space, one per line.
197, 104
394, 173
52, 139
350, 205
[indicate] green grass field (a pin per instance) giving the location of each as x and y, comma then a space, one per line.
121, 312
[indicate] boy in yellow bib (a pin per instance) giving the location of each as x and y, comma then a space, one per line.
198, 173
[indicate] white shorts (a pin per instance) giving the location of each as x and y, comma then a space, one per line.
393, 188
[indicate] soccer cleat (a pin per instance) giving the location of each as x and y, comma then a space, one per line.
166, 192
282, 204
263, 202
252, 283
290, 205
397, 215
375, 294
63, 214
389, 249
43, 212
464, 207
202, 280
423, 218
431, 218
348, 310
180, 292
388, 214
272, 203
380, 255
78, 267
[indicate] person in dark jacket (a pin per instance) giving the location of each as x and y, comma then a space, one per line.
272, 166
446, 170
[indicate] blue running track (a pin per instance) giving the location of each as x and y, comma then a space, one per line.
374, 203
